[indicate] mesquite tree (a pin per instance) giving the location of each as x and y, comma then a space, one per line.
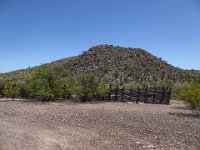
44, 84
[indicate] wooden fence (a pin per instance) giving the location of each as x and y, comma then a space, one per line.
149, 95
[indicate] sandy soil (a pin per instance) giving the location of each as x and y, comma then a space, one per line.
106, 126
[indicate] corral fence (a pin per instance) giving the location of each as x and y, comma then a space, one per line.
156, 95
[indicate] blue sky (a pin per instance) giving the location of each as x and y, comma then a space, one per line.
39, 31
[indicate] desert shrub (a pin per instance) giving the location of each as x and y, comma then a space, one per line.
190, 93
176, 88
106, 69
117, 74
2, 81
87, 85
69, 87
11, 90
154, 83
128, 86
2, 85
45, 94
144, 85
136, 85
167, 83
23, 90
197, 80
44, 84
101, 89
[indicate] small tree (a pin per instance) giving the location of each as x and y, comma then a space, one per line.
88, 83
101, 90
24, 92
176, 88
190, 93
11, 90
44, 84
70, 87
2, 85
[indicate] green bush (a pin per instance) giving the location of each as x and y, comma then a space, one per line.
102, 90
23, 90
167, 83
2, 81
2, 85
11, 90
70, 87
44, 95
190, 93
44, 84
89, 86
176, 88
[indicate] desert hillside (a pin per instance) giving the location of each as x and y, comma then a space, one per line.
115, 64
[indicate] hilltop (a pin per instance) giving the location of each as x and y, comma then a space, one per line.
115, 64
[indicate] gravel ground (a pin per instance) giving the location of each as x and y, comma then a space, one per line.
106, 126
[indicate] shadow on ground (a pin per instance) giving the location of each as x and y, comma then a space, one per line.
187, 115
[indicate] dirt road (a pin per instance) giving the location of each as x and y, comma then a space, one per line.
105, 126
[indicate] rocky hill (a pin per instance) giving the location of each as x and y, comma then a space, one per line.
116, 64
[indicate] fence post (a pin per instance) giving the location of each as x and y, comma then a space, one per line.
145, 96
163, 96
138, 95
154, 95
109, 94
116, 93
169, 98
130, 98
122, 99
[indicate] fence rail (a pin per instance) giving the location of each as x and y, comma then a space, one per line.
149, 95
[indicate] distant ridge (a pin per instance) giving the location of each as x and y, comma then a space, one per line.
116, 64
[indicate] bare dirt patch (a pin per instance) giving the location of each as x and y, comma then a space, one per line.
34, 125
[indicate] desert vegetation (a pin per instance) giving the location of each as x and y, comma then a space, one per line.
190, 94
46, 84
115, 65
105, 125
89, 75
